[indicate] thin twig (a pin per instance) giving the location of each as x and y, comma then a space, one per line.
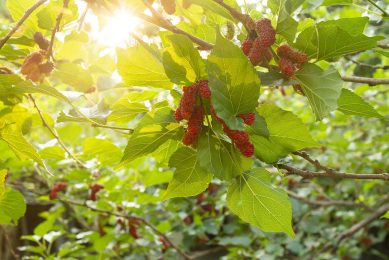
235, 13
56, 28
131, 217
383, 45
385, 14
375, 67
314, 162
54, 134
21, 21
355, 228
159, 20
333, 175
364, 80
327, 202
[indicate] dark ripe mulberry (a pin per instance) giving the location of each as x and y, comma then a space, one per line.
285, 51
248, 118
177, 114
246, 46
204, 90
42, 42
265, 31
169, 6
247, 150
46, 68
286, 67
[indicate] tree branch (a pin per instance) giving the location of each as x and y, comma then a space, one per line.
383, 45
56, 28
9, 243
54, 134
21, 21
333, 175
364, 80
131, 217
235, 13
355, 228
384, 67
385, 14
327, 202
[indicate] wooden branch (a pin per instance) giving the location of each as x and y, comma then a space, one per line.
333, 175
355, 228
326, 202
383, 45
56, 28
360, 64
314, 162
131, 217
54, 134
364, 80
21, 21
235, 13
9, 243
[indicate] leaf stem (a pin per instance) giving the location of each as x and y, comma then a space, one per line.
385, 14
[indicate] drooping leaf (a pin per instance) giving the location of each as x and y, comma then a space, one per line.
331, 39
189, 178
252, 197
219, 157
322, 88
233, 81
286, 134
352, 104
142, 66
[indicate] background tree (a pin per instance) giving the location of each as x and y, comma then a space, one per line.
194, 129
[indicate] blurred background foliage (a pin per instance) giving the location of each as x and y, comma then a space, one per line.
202, 225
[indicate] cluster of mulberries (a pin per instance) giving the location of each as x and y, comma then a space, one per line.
190, 109
240, 138
94, 189
291, 60
58, 187
257, 46
34, 68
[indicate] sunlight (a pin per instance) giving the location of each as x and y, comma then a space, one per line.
116, 32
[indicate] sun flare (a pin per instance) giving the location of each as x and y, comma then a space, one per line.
117, 29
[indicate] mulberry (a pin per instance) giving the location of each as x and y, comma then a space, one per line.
248, 118
286, 67
285, 51
195, 124
246, 46
33, 68
204, 90
265, 31
188, 101
169, 6
42, 42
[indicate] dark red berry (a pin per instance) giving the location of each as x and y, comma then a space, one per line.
246, 46
204, 90
286, 67
265, 31
248, 118
42, 42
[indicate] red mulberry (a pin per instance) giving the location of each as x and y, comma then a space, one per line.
188, 101
204, 90
285, 51
195, 124
248, 118
286, 67
246, 46
265, 31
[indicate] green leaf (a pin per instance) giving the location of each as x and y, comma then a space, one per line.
3, 174
322, 88
17, 10
352, 104
12, 206
233, 81
286, 134
289, 5
125, 110
221, 158
336, 2
182, 62
189, 178
331, 39
103, 150
142, 66
274, 78
252, 197
75, 76
210, 5
15, 140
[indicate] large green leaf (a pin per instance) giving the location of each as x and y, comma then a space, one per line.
125, 110
286, 134
15, 140
3, 174
75, 76
12, 206
331, 39
17, 10
182, 62
352, 104
252, 197
102, 150
322, 88
233, 81
219, 157
189, 178
211, 5
142, 66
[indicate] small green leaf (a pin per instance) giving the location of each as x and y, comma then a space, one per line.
142, 66
252, 197
352, 104
189, 178
12, 206
233, 81
286, 134
125, 110
322, 88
